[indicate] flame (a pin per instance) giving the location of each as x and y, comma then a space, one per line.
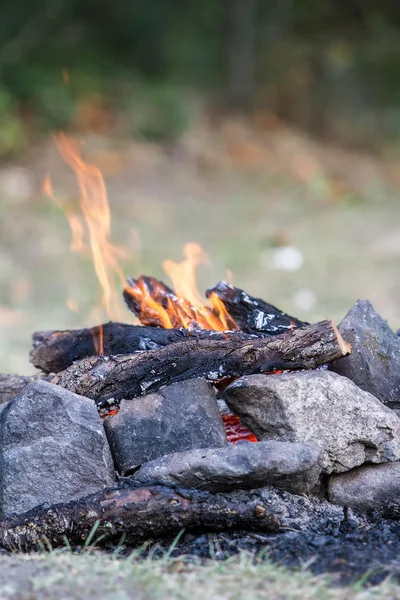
156, 304
93, 218
77, 243
96, 215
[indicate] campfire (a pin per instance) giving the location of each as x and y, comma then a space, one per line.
142, 429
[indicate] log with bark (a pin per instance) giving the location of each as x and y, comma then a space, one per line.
136, 513
54, 351
130, 376
253, 315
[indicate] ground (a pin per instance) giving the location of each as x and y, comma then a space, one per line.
91, 576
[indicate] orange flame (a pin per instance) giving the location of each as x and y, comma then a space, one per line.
96, 216
152, 301
156, 304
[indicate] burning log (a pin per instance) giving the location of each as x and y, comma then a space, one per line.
157, 305
253, 315
54, 351
136, 513
130, 376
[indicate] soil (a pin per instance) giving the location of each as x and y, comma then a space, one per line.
315, 535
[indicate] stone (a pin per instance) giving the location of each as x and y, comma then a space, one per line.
290, 466
350, 425
181, 416
52, 449
368, 488
374, 364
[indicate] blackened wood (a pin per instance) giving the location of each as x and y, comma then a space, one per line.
11, 385
156, 305
253, 315
54, 351
138, 513
102, 378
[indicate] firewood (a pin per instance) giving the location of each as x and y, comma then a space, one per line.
137, 514
253, 315
54, 351
157, 305
102, 378
11, 385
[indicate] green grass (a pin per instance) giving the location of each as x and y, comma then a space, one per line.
94, 575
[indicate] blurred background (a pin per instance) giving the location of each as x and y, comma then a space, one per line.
268, 132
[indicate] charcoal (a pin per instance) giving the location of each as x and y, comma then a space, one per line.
293, 467
350, 425
374, 364
182, 416
53, 449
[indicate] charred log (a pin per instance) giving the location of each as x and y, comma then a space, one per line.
157, 305
253, 315
11, 385
102, 378
135, 513
54, 351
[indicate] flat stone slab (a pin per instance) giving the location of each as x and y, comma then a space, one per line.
52, 448
293, 467
350, 425
368, 488
374, 364
182, 416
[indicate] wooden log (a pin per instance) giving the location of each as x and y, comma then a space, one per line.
11, 385
130, 376
156, 305
54, 351
253, 315
137, 513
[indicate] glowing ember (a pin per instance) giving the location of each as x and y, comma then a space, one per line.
235, 431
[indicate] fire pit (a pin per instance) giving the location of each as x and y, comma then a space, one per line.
205, 416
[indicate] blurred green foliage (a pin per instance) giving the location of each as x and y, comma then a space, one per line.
332, 68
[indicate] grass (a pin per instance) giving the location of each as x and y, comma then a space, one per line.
94, 575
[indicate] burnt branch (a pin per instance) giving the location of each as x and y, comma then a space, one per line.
138, 513
103, 378
253, 315
54, 351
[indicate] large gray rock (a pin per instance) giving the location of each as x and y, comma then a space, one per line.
368, 488
292, 467
350, 425
52, 449
178, 417
374, 364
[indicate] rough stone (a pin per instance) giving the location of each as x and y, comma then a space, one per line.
52, 449
374, 364
350, 425
182, 416
292, 467
368, 488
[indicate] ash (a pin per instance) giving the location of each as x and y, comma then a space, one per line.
315, 535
